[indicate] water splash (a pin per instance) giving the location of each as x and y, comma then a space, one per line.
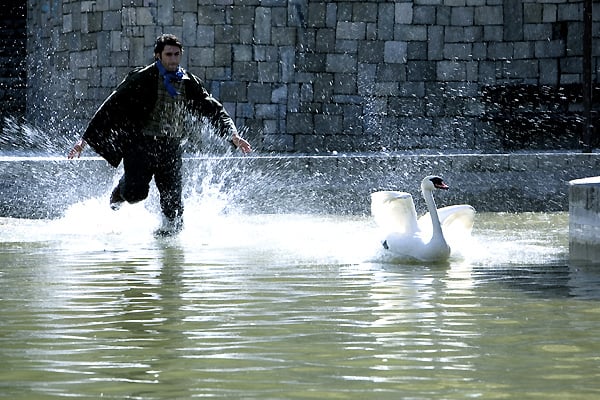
21, 137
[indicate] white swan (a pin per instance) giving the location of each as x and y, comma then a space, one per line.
421, 239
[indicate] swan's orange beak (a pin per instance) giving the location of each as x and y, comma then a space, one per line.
441, 185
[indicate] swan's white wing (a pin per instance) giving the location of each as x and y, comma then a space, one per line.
394, 211
457, 218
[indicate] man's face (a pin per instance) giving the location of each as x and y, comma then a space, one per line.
170, 57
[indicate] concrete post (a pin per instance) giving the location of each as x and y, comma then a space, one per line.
584, 220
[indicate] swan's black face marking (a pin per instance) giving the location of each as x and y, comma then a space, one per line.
385, 245
438, 183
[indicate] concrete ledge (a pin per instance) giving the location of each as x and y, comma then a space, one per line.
44, 187
584, 219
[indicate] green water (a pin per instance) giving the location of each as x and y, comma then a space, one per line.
291, 307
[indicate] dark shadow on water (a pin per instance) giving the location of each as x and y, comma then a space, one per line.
551, 280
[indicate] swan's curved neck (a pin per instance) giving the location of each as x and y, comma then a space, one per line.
435, 219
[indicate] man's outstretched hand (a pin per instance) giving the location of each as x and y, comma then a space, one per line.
242, 144
76, 150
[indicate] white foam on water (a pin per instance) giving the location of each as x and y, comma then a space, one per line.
210, 225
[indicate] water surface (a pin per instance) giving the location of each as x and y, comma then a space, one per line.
290, 306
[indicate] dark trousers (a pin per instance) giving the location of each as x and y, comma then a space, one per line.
158, 157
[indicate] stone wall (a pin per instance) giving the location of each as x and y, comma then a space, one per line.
13, 35
45, 187
311, 76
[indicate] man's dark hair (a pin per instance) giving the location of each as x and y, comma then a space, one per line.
164, 40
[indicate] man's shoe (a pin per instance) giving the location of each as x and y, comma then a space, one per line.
116, 201
169, 226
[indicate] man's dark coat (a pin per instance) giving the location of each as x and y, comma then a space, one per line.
118, 122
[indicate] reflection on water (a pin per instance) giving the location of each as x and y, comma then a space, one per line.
290, 306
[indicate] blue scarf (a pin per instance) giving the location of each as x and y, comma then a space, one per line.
168, 77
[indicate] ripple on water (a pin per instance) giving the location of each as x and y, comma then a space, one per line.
284, 306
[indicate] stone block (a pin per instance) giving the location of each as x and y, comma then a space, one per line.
93, 22
549, 13
424, 15
365, 11
327, 124
244, 110
279, 94
222, 55
323, 88
187, 5
524, 50
501, 51
570, 11
372, 31
443, 16
488, 15
351, 30
457, 51
574, 39
344, 83
307, 92
317, 14
287, 63
227, 34
435, 42
283, 36
537, 32
259, 93
242, 15
454, 34
262, 25
88, 6
341, 63
523, 68
411, 32
451, 71
300, 123
325, 40
473, 34
346, 46
205, 36
265, 53
403, 13
493, 33
211, 15
532, 13
268, 71
416, 50
370, 51
189, 27
143, 16
201, 56
462, 16
266, 111
479, 51
549, 49
245, 71
395, 52
231, 92
385, 22
242, 52
390, 73
310, 62
164, 12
